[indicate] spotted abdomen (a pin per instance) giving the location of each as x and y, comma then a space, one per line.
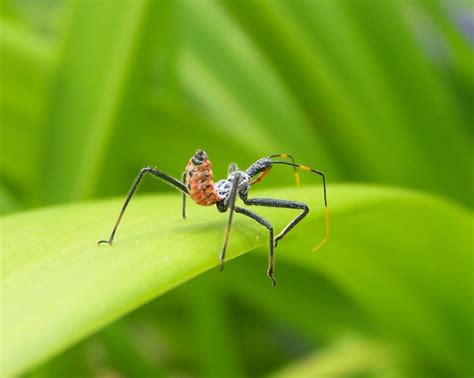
200, 184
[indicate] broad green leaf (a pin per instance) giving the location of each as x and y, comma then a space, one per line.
176, 325
54, 269
58, 286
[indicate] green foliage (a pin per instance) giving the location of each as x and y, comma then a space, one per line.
154, 253
366, 91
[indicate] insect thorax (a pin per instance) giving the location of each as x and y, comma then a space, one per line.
224, 187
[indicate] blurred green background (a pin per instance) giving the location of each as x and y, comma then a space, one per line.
367, 91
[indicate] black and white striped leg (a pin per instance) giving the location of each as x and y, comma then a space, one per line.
155, 172
231, 205
267, 224
232, 168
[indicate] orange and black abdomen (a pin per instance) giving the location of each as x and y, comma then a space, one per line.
200, 184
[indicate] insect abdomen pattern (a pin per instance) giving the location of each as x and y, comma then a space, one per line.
200, 183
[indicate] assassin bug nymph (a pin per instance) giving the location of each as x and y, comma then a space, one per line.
197, 182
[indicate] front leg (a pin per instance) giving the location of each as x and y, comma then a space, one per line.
143, 171
261, 168
232, 168
231, 205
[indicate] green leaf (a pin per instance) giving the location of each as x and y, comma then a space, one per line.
408, 263
25, 77
58, 286
95, 63
363, 99
348, 358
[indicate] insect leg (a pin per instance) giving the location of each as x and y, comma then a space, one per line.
231, 204
309, 169
270, 202
232, 168
184, 197
143, 171
267, 224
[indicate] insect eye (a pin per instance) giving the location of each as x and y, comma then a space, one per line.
199, 157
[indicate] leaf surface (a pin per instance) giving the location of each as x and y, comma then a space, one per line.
58, 286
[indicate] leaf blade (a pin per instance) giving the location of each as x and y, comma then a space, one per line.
59, 284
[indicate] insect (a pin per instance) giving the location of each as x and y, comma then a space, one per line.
197, 183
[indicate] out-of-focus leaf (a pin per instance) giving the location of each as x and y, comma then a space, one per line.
349, 358
26, 71
385, 131
429, 105
410, 271
8, 201
319, 310
226, 72
210, 321
95, 61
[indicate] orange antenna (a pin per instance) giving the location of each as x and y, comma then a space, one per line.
284, 156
